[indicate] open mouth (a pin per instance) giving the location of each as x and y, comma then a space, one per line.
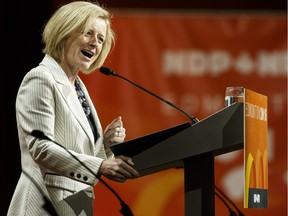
87, 53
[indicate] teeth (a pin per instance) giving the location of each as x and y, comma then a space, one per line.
87, 53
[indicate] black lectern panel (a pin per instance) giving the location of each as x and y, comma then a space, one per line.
217, 134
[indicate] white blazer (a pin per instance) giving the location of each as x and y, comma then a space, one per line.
46, 101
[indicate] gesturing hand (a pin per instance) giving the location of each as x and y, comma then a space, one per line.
118, 169
114, 132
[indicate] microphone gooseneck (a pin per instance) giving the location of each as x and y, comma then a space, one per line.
125, 208
229, 200
231, 212
40, 135
109, 72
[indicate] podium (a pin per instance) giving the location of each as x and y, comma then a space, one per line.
192, 147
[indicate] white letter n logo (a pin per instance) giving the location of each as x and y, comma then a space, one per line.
256, 198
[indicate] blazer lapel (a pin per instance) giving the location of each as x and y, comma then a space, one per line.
72, 101
68, 93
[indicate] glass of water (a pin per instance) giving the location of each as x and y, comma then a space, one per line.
234, 94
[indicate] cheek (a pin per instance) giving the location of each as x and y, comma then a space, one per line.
99, 49
71, 52
97, 54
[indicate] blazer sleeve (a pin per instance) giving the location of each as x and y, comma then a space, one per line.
40, 106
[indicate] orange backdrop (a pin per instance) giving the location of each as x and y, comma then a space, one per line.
189, 59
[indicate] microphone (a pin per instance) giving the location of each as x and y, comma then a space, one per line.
110, 72
125, 208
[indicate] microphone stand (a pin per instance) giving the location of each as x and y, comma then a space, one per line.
232, 213
229, 200
125, 208
192, 119
108, 71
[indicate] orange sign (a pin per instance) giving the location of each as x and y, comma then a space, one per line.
256, 150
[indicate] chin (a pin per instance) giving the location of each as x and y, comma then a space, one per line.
85, 66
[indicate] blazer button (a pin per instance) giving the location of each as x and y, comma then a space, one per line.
78, 175
85, 178
71, 174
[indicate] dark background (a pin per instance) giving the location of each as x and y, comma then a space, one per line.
22, 22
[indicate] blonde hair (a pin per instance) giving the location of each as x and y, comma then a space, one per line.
71, 18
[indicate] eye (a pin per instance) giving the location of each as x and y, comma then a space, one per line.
101, 39
89, 33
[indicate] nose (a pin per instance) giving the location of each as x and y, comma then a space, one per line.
93, 42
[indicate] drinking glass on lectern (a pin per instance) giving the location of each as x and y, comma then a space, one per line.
234, 94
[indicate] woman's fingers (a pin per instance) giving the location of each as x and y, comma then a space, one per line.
119, 168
